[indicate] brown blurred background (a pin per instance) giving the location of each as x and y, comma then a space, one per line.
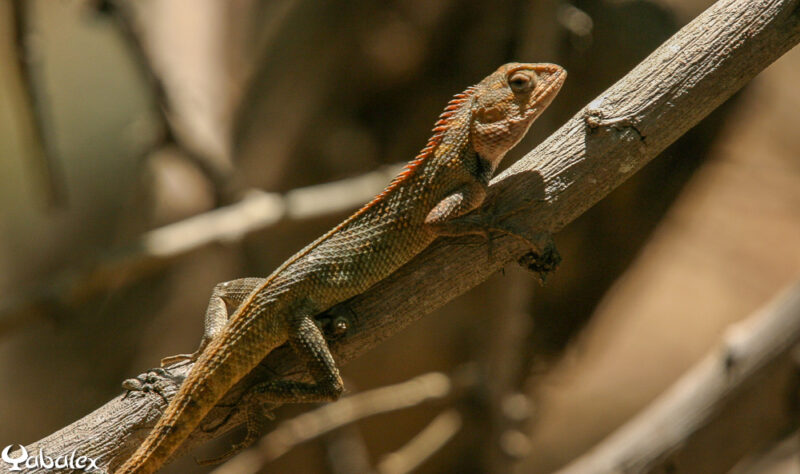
116, 119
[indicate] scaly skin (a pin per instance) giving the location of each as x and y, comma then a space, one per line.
448, 179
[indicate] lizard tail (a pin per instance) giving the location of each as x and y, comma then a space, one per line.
214, 373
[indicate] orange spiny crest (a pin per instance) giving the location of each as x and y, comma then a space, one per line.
439, 129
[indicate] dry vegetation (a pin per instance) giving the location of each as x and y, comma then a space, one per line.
133, 138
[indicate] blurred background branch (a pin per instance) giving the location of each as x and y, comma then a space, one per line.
317, 422
214, 161
722, 397
158, 248
424, 445
43, 153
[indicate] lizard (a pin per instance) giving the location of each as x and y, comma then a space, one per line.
249, 317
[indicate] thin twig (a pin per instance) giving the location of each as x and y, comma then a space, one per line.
504, 411
424, 445
346, 451
315, 423
782, 457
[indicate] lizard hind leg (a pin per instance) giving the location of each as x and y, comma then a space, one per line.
308, 342
256, 416
225, 300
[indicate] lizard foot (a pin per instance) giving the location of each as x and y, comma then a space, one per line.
333, 323
542, 263
491, 225
543, 257
256, 416
153, 381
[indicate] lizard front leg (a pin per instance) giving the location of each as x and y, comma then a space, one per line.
442, 218
225, 299
450, 217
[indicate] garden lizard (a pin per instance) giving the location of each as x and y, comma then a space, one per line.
248, 318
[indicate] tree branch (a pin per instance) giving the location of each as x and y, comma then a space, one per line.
749, 381
601, 146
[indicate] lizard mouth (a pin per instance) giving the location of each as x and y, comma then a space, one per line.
550, 77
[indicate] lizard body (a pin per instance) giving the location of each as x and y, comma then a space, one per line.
448, 179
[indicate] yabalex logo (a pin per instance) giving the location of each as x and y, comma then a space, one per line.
22, 461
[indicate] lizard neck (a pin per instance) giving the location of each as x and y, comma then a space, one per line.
454, 121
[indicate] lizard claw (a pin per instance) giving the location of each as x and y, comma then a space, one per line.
542, 263
154, 381
255, 416
491, 226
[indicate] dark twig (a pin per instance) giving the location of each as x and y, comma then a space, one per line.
42, 146
125, 20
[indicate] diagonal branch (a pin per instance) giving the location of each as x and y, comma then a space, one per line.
601, 146
424, 445
175, 132
749, 381
41, 143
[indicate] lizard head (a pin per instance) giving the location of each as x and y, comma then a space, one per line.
496, 113
505, 104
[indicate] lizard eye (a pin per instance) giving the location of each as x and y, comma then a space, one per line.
522, 81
